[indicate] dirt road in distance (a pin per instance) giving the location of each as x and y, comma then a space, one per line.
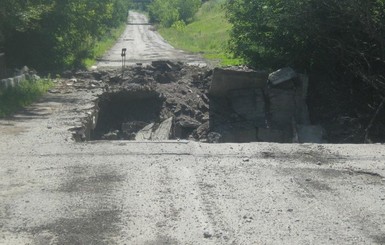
144, 45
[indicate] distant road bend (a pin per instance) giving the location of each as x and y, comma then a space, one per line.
143, 45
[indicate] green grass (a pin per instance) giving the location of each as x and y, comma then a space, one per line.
207, 35
104, 44
13, 99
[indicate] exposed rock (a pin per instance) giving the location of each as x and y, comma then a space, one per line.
188, 122
145, 133
282, 75
111, 135
214, 137
163, 132
202, 131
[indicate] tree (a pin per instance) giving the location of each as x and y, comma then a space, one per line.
167, 12
53, 33
340, 43
310, 34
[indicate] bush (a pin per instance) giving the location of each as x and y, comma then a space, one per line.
167, 12
52, 34
314, 35
340, 44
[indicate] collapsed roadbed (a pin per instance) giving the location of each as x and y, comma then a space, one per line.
171, 100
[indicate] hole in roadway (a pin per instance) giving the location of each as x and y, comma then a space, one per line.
123, 114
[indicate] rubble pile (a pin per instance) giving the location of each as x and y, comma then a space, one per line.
249, 106
163, 101
169, 100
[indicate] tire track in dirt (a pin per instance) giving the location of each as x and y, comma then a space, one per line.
221, 230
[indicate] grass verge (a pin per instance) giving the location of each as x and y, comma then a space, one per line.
104, 44
208, 34
13, 99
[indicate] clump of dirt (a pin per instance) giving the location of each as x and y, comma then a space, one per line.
149, 95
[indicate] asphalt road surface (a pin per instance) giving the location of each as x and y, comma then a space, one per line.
57, 191
143, 45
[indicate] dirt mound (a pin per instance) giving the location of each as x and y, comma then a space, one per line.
172, 100
143, 97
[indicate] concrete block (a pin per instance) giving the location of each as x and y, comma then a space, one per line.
282, 107
4, 83
18, 79
249, 104
164, 130
145, 133
225, 80
282, 75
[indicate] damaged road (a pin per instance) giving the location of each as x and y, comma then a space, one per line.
90, 163
54, 190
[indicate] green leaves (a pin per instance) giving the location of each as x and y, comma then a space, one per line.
49, 34
167, 12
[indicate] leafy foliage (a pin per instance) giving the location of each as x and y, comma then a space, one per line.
55, 33
167, 12
340, 43
311, 34
203, 38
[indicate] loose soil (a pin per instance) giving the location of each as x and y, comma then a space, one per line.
146, 94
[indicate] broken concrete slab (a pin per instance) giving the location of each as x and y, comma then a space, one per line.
111, 135
282, 75
202, 131
225, 80
249, 104
163, 132
145, 133
185, 126
188, 122
282, 107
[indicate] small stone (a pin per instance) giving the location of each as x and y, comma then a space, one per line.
207, 235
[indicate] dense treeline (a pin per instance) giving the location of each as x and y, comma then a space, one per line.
168, 12
340, 43
49, 34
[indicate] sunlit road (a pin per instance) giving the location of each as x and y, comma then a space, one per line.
144, 45
54, 190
